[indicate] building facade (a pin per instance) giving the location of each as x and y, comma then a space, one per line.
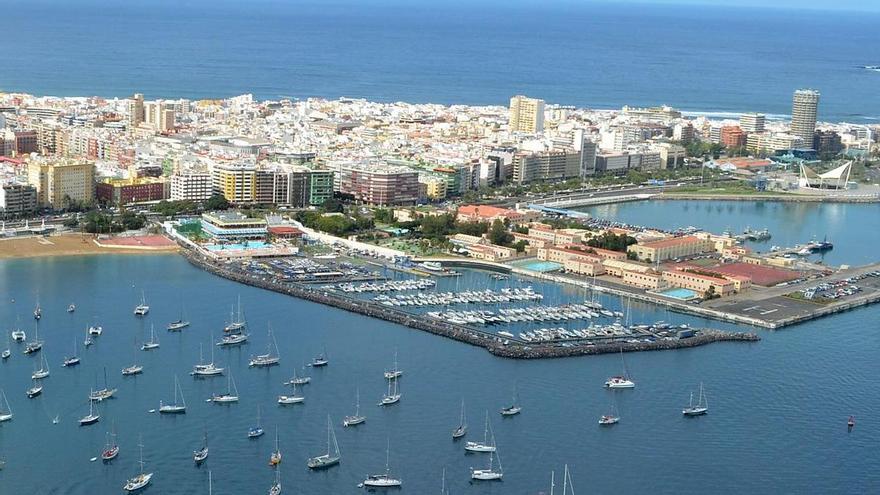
804, 112
58, 182
17, 200
191, 187
526, 115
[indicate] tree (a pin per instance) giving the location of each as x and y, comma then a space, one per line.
472, 228
216, 202
333, 205
520, 245
499, 235
383, 215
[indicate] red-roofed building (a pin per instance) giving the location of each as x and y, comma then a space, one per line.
285, 232
487, 213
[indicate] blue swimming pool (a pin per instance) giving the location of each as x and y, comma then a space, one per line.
537, 265
236, 247
679, 293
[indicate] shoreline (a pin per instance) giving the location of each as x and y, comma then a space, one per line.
782, 198
70, 245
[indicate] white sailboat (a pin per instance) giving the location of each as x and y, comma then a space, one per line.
43, 372
134, 369
233, 339
231, 394
298, 379
179, 404
621, 381
142, 479
490, 473
384, 480
331, 457
275, 489
256, 431
276, 456
35, 390
104, 393
36, 344
268, 359
153, 343
6, 412
293, 398
485, 445
142, 309
461, 429
612, 418
201, 454
209, 369
395, 371
236, 324
179, 324
90, 418
514, 408
6, 352
357, 418
72, 360
698, 409
393, 395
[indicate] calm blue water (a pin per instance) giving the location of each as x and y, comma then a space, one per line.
586, 54
851, 227
786, 398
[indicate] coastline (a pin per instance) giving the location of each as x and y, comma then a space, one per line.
789, 198
70, 245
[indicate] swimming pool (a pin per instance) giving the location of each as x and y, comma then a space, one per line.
537, 265
237, 246
679, 293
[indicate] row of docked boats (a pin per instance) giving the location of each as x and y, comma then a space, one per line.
520, 315
387, 286
488, 296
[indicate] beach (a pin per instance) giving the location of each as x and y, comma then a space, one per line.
79, 245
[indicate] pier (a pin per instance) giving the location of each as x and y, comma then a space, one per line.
499, 346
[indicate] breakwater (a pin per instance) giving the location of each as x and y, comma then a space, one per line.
510, 348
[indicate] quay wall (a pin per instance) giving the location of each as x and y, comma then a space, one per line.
461, 333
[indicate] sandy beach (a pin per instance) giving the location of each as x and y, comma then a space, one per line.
77, 245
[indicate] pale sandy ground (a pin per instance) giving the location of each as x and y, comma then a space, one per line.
65, 245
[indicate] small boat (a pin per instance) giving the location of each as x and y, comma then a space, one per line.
394, 372
256, 431
298, 380
331, 457
134, 369
275, 489
179, 404
142, 479
111, 449
268, 359
142, 309
229, 396
200, 455
275, 457
608, 419
392, 396
489, 474
88, 341
19, 335
38, 313
71, 308
285, 400
320, 360
850, 423
96, 330
356, 419
461, 429
91, 418
384, 480
35, 390
698, 409
56, 419
620, 381
514, 408
6, 353
6, 412
485, 445
72, 360
153, 342
43, 372
209, 369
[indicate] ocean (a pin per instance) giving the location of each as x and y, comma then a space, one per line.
777, 419
601, 55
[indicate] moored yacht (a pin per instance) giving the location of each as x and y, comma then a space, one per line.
90, 418
356, 419
331, 457
142, 479
268, 359
698, 409
179, 404
231, 394
485, 445
142, 309
384, 480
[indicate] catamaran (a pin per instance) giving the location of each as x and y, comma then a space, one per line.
6, 412
332, 457
229, 396
392, 396
268, 359
297, 379
237, 323
142, 479
394, 372
698, 409
91, 418
514, 408
461, 430
620, 381
293, 398
200, 455
357, 418
256, 431
483, 446
35, 390
111, 449
142, 309
275, 457
153, 343
71, 360
43, 372
384, 480
18, 335
179, 404
209, 369
96, 330
489, 474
